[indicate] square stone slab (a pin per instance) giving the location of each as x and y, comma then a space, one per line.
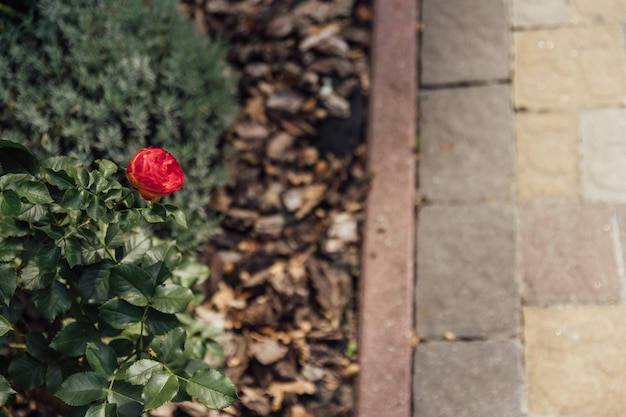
594, 11
569, 254
534, 13
467, 144
465, 41
547, 155
569, 68
466, 272
468, 379
575, 361
603, 151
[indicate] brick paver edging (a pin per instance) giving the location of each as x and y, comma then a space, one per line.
386, 286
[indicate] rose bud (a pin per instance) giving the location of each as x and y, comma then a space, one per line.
154, 172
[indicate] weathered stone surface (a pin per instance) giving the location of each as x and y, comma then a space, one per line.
620, 216
534, 13
568, 254
468, 379
575, 362
458, 43
569, 68
465, 266
466, 144
547, 155
594, 11
603, 152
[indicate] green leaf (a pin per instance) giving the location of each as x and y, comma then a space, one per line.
160, 323
37, 346
82, 388
82, 177
177, 214
132, 284
48, 257
81, 251
51, 302
127, 398
8, 283
101, 410
13, 228
5, 390
10, 204
96, 208
54, 377
11, 179
161, 259
107, 167
114, 237
212, 388
52, 231
16, 158
35, 192
155, 214
119, 314
60, 179
93, 282
32, 213
160, 389
171, 298
74, 199
135, 247
171, 345
10, 248
27, 372
190, 272
140, 372
73, 338
101, 358
32, 279
5, 326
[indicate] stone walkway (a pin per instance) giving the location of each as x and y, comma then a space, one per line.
521, 289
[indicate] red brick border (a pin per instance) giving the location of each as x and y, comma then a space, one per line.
386, 287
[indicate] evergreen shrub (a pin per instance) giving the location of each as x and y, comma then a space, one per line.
97, 79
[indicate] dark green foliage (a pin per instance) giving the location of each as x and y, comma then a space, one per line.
99, 79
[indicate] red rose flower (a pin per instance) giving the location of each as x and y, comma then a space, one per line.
154, 172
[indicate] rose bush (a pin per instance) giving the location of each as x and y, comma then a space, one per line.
154, 172
94, 310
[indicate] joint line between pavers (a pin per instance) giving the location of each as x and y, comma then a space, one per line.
617, 247
464, 84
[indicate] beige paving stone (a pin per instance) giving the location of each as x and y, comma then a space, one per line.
575, 361
569, 68
585, 11
534, 13
547, 155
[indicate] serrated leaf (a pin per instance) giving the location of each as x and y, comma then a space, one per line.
190, 272
135, 247
133, 284
99, 183
52, 231
119, 314
140, 372
171, 298
16, 158
107, 167
13, 228
160, 389
127, 398
35, 192
60, 179
81, 252
51, 302
177, 214
32, 279
171, 345
10, 204
82, 177
96, 208
5, 326
114, 237
48, 257
32, 213
101, 410
27, 372
72, 339
37, 346
12, 178
82, 388
8, 282
5, 390
101, 358
10, 249
155, 214
212, 388
93, 282
74, 199
160, 323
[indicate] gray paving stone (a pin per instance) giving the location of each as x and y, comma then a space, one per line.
465, 41
467, 144
569, 254
465, 272
468, 379
534, 13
